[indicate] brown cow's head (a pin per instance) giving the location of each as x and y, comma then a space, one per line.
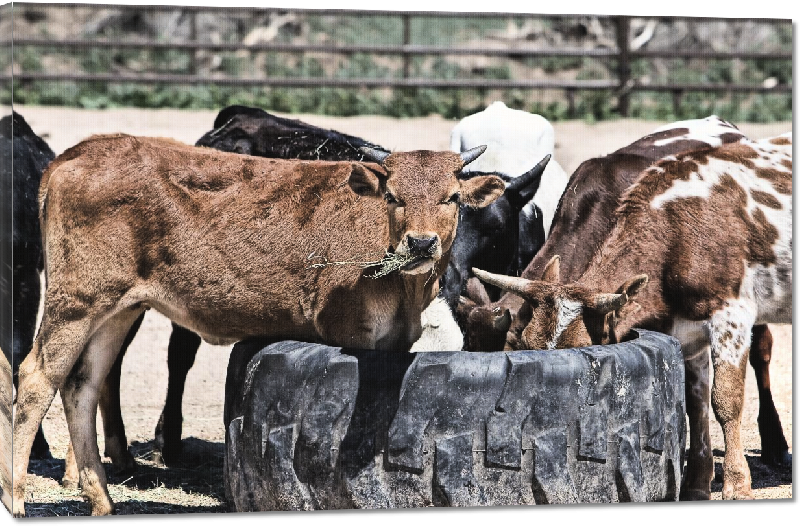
564, 316
422, 193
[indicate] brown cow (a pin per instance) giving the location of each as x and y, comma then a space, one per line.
712, 231
220, 243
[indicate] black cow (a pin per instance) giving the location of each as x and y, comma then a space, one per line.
499, 236
23, 156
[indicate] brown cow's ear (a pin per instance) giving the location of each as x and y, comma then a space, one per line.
552, 271
633, 286
366, 182
482, 191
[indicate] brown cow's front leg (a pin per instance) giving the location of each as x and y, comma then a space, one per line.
774, 449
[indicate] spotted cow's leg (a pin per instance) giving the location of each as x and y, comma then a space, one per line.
729, 331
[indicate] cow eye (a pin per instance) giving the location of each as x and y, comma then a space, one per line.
452, 199
390, 198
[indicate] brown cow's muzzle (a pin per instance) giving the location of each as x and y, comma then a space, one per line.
425, 249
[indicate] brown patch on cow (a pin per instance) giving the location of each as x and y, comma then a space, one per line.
738, 153
766, 199
762, 236
780, 180
781, 141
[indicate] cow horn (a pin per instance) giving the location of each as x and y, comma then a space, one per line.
472, 154
605, 303
509, 283
534, 175
373, 154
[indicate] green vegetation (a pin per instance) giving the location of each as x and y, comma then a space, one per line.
590, 105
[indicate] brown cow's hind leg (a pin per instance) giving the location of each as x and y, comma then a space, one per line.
41, 374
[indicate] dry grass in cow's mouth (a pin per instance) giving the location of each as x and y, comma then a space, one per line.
390, 262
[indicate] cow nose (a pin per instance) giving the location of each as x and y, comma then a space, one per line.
421, 244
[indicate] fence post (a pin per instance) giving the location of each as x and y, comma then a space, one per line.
570, 103
677, 95
406, 41
623, 24
193, 38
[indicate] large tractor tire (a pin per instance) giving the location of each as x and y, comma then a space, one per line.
316, 427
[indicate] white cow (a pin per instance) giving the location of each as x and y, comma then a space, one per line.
516, 140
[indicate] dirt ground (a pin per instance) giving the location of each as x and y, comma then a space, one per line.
196, 484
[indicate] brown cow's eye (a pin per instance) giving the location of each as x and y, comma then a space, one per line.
453, 199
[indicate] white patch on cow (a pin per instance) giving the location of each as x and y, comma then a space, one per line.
708, 130
568, 311
440, 332
729, 331
700, 182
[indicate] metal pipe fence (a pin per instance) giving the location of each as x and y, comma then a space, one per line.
622, 84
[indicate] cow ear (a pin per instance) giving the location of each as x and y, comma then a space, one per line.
633, 286
365, 181
552, 271
481, 191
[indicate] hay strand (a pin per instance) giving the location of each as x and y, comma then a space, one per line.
387, 264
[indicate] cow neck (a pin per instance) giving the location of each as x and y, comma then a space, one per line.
630, 250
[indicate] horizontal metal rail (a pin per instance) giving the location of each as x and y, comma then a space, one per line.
396, 50
392, 82
383, 12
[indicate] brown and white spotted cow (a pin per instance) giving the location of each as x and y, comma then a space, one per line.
583, 220
703, 241
220, 244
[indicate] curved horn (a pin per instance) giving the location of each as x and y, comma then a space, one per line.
532, 177
373, 154
472, 154
605, 303
509, 283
